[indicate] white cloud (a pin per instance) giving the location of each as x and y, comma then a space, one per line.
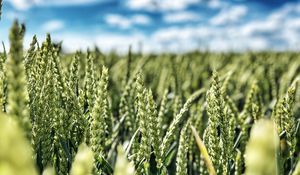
281, 28
142, 4
289, 15
26, 4
291, 38
163, 5
118, 21
293, 23
276, 23
73, 41
229, 15
140, 19
183, 38
68, 2
215, 4
120, 43
207, 37
125, 23
106, 41
183, 33
22, 4
284, 24
285, 11
260, 27
184, 16
53, 25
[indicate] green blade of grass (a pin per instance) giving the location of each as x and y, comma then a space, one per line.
204, 152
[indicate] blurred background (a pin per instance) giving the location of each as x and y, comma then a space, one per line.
159, 25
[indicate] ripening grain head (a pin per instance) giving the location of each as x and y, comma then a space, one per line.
262, 149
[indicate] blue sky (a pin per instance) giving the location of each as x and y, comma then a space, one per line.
159, 25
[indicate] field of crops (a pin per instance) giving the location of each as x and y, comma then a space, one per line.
196, 113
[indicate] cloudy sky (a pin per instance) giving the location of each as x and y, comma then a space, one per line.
159, 25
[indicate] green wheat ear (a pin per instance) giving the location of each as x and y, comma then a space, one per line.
181, 159
83, 163
123, 167
17, 89
2, 91
297, 169
289, 121
49, 171
154, 127
145, 127
3, 81
262, 148
217, 119
99, 119
74, 73
15, 151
